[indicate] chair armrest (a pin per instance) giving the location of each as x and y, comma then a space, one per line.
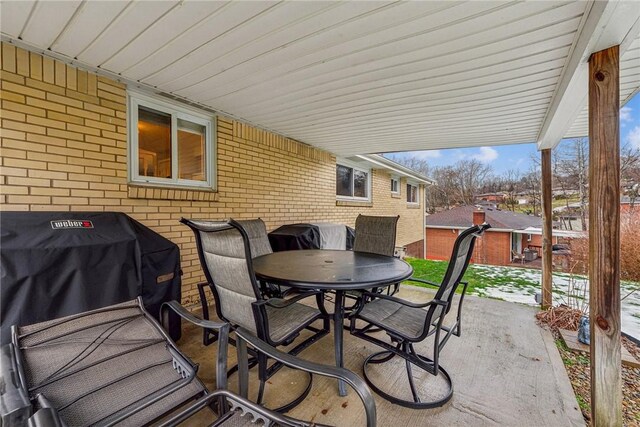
358, 385
401, 301
282, 303
256, 411
188, 316
415, 279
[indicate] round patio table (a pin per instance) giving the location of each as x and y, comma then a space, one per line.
331, 270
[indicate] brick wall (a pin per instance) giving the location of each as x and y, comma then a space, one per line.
493, 248
64, 147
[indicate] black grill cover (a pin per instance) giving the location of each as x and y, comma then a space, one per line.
301, 236
54, 264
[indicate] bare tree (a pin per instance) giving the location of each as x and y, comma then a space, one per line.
572, 170
511, 184
471, 174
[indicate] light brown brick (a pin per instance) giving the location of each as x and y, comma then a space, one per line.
40, 191
83, 113
46, 139
24, 127
8, 57
10, 96
82, 81
22, 62
7, 171
45, 122
17, 88
20, 107
47, 105
36, 66
11, 77
72, 82
47, 87
12, 153
47, 174
65, 168
66, 118
48, 70
19, 199
14, 189
83, 129
23, 145
62, 99
12, 115
70, 201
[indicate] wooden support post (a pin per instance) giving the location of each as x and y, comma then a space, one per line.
547, 227
604, 238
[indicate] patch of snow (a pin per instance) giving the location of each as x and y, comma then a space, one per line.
524, 293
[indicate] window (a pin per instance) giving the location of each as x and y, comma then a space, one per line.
412, 193
352, 182
169, 145
395, 185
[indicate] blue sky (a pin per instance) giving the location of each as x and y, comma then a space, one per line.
505, 157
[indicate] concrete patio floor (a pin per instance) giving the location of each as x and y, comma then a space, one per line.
505, 369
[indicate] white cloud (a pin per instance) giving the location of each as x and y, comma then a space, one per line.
633, 137
486, 155
427, 154
625, 114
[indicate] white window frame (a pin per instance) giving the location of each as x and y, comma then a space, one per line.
355, 167
176, 111
414, 184
399, 181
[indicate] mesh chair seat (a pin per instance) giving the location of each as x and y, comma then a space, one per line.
285, 321
93, 366
405, 321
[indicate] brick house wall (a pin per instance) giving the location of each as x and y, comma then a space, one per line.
493, 248
64, 148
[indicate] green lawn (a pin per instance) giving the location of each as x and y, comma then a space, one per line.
478, 276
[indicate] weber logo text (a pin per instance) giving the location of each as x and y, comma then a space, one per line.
63, 224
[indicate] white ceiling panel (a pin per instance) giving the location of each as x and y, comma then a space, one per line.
90, 21
187, 15
351, 77
186, 51
135, 20
14, 15
47, 21
629, 86
300, 38
441, 33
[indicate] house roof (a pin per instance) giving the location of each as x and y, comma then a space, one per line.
352, 77
462, 216
380, 162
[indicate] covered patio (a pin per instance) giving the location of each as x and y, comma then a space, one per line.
506, 370
294, 88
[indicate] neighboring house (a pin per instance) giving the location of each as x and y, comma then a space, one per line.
73, 140
510, 231
491, 197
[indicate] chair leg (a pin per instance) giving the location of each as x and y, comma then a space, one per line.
208, 335
416, 403
262, 376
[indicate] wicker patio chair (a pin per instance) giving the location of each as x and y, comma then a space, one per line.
225, 255
407, 323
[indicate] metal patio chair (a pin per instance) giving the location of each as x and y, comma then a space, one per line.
117, 366
377, 235
259, 245
407, 323
224, 249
